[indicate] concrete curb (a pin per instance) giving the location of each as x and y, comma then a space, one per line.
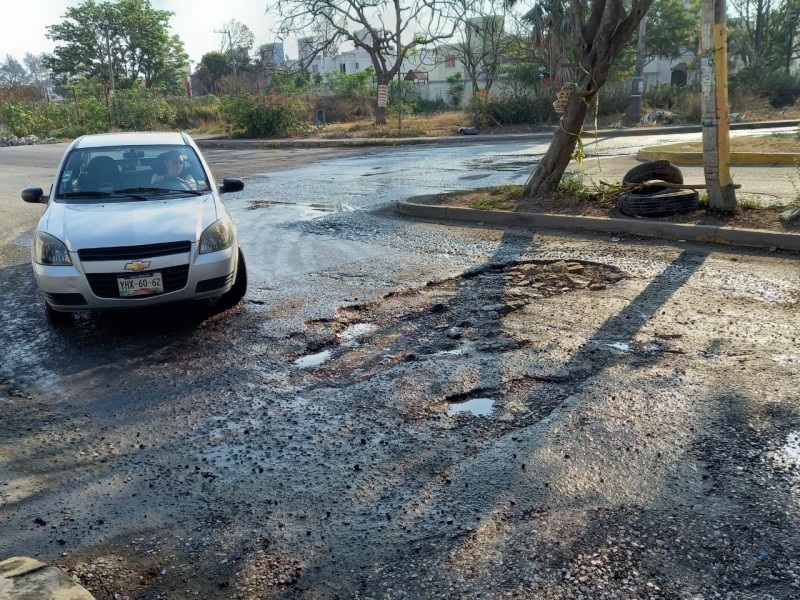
737, 158
753, 238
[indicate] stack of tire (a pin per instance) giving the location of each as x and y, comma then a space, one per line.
655, 200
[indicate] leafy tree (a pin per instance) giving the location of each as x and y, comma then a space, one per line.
136, 35
12, 73
39, 75
237, 42
600, 30
212, 69
760, 30
27, 81
455, 88
290, 81
383, 29
351, 85
551, 33
672, 27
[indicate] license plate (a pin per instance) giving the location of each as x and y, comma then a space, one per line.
145, 284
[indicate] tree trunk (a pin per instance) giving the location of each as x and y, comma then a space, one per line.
601, 38
380, 111
547, 175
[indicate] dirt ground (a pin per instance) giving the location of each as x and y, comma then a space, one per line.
642, 441
766, 218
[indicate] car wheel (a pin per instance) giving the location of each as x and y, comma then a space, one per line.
661, 204
56, 317
239, 288
655, 170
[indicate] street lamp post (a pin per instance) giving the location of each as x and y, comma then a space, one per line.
791, 19
108, 57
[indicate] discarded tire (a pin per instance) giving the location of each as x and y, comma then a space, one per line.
656, 170
661, 204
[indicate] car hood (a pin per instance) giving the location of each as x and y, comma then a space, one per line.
131, 223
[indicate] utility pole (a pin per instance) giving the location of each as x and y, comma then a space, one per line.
791, 20
716, 113
636, 101
230, 48
108, 56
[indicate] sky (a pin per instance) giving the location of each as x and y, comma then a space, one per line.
194, 22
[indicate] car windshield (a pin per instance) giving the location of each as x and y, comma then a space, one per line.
130, 173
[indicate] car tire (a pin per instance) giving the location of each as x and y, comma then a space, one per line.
56, 317
655, 170
661, 204
239, 288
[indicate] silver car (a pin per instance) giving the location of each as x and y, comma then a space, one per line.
135, 219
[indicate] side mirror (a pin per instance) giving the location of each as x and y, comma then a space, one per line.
34, 195
231, 184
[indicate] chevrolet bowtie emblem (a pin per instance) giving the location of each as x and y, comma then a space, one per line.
137, 265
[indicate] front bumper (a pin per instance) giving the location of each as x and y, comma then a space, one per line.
92, 284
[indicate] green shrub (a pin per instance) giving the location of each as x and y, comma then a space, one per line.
133, 113
667, 96
263, 115
614, 98
430, 107
779, 87
511, 110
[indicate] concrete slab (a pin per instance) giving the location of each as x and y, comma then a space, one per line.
23, 578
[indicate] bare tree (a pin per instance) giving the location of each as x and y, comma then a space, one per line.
237, 40
601, 29
483, 48
388, 30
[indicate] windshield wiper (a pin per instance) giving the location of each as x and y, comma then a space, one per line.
84, 195
157, 190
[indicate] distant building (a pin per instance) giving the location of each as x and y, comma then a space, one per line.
271, 55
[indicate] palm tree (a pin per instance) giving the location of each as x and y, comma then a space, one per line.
551, 31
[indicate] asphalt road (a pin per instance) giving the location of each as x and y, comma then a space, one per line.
409, 409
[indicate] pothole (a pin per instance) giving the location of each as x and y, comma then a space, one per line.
312, 360
477, 407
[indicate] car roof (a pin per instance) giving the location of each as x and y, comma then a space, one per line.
135, 138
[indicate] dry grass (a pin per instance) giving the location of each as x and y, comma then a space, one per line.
573, 199
779, 143
436, 125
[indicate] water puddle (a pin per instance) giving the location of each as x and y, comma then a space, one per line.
328, 208
791, 449
312, 360
635, 347
784, 359
356, 331
620, 346
478, 407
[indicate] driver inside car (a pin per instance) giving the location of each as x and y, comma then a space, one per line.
170, 173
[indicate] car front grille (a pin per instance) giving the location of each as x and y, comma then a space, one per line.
104, 285
134, 252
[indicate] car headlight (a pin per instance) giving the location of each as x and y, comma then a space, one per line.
48, 250
217, 236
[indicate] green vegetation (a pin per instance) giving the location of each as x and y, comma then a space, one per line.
246, 92
263, 115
